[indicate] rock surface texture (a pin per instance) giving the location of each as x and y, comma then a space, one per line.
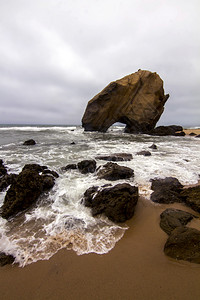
26, 188
184, 244
117, 202
113, 171
172, 218
136, 100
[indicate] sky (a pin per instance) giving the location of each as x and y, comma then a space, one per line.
55, 55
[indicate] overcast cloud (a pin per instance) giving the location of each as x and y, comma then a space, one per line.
55, 55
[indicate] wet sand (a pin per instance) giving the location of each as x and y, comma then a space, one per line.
135, 269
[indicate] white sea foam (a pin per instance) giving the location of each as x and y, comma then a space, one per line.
60, 220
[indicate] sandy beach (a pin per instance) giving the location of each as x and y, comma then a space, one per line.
135, 269
188, 131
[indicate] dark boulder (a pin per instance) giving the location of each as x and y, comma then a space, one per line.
144, 153
25, 190
30, 142
166, 190
3, 169
87, 166
192, 134
69, 167
175, 130
6, 259
172, 218
153, 146
7, 180
117, 203
112, 171
170, 183
191, 197
116, 157
197, 136
184, 244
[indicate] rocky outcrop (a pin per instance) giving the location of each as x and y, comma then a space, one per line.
136, 100
26, 189
112, 171
166, 190
117, 203
116, 157
175, 130
172, 218
184, 244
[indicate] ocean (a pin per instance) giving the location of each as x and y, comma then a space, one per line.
59, 219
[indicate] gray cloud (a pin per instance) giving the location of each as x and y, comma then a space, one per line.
56, 55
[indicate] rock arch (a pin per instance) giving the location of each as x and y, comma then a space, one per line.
136, 100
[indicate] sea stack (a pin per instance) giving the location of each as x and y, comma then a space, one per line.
136, 100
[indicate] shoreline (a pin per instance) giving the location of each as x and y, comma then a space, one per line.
136, 268
190, 130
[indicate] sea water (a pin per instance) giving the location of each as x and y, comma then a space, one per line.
59, 219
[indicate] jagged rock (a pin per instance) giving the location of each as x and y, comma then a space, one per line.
144, 153
166, 190
6, 259
116, 157
7, 180
117, 203
191, 197
30, 142
197, 136
87, 166
172, 218
136, 100
184, 244
175, 130
112, 171
3, 169
26, 189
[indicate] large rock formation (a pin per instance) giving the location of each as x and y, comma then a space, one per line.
136, 100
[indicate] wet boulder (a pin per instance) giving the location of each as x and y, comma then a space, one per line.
191, 197
113, 171
6, 259
26, 189
172, 218
116, 157
70, 167
87, 166
184, 244
166, 190
117, 203
30, 142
